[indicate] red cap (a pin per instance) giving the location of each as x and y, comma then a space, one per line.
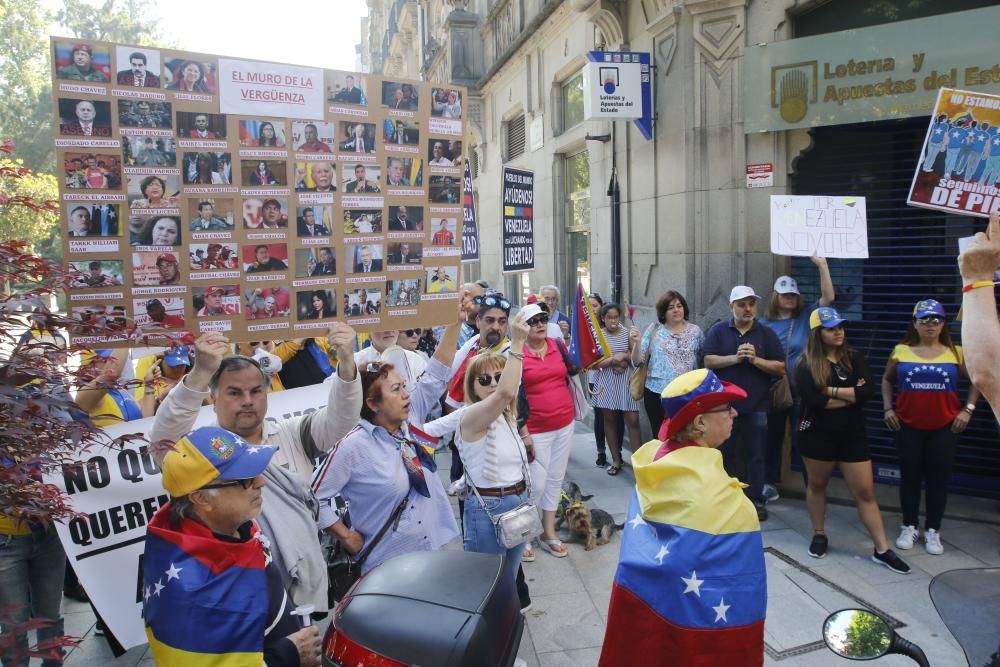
166, 257
215, 288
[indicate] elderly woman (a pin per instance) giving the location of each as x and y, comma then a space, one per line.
691, 579
550, 422
389, 480
154, 189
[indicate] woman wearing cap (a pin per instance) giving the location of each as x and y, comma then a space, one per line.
164, 370
611, 390
674, 348
788, 317
690, 536
546, 378
928, 418
833, 383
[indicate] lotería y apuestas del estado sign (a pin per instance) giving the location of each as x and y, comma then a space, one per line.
871, 73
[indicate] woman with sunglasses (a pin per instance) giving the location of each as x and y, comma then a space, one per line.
611, 390
494, 455
546, 380
928, 418
833, 383
409, 339
380, 463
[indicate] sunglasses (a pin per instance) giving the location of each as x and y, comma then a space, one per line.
491, 301
373, 368
242, 483
487, 380
538, 319
413, 332
931, 320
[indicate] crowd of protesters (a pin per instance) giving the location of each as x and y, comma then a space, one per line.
499, 389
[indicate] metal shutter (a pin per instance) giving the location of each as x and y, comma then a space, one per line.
912, 256
515, 137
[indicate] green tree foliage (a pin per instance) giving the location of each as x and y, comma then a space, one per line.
28, 210
867, 636
127, 22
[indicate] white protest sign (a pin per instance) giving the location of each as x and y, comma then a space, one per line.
119, 490
827, 226
269, 89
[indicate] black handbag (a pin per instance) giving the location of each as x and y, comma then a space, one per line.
342, 569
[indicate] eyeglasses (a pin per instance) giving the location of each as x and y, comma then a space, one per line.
538, 319
485, 380
413, 332
931, 320
722, 408
242, 483
492, 301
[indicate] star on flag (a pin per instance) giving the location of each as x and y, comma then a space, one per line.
720, 611
661, 553
693, 584
173, 572
637, 521
157, 588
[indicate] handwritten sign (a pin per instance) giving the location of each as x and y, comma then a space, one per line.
470, 227
262, 89
827, 226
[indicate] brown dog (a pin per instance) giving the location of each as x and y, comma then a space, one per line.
595, 527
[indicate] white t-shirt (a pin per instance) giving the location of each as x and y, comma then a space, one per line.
496, 458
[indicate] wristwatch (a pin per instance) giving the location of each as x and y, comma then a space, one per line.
971, 407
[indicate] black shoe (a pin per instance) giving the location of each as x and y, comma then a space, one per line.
817, 548
891, 561
76, 592
761, 511
602, 460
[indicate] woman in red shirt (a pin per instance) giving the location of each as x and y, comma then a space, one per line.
546, 382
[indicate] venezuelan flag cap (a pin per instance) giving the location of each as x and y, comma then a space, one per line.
928, 307
691, 394
211, 453
825, 317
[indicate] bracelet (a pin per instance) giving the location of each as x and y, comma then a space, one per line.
887, 411
516, 355
977, 285
967, 410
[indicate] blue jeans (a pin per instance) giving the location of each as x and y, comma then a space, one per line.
31, 582
750, 429
481, 534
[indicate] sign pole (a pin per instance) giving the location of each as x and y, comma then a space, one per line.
616, 225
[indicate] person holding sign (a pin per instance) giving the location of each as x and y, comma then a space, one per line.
788, 317
211, 590
980, 327
927, 418
239, 389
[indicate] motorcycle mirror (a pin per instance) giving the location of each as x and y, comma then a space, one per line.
858, 634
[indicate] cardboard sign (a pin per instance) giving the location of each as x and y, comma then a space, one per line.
517, 220
197, 186
827, 226
470, 226
959, 166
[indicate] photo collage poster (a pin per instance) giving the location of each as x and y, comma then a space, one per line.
263, 200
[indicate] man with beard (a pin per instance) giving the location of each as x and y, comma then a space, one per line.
137, 75
239, 389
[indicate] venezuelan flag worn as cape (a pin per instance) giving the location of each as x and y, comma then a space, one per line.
204, 600
691, 589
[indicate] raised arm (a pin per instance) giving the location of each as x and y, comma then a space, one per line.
827, 295
343, 405
477, 417
90, 395
980, 326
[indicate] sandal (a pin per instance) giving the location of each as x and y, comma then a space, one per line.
550, 546
614, 469
529, 555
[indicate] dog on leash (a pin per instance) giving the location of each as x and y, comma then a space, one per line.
569, 495
595, 527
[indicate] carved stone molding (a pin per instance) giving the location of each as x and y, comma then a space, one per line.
718, 29
609, 17
660, 14
665, 46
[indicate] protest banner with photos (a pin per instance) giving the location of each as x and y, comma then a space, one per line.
822, 225
197, 180
959, 167
517, 220
117, 491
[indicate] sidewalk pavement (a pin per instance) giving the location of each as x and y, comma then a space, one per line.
570, 595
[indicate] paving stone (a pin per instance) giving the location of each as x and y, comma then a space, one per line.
563, 622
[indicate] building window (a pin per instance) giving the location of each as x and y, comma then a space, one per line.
515, 137
577, 211
572, 102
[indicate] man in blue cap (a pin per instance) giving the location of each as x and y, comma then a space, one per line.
210, 588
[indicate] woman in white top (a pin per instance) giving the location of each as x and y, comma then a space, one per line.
494, 456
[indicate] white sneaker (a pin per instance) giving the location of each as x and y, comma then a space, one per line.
907, 536
519, 662
932, 542
458, 488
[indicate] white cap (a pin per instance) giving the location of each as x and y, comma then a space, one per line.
531, 310
742, 292
786, 285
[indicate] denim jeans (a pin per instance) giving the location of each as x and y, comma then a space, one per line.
31, 582
750, 430
481, 534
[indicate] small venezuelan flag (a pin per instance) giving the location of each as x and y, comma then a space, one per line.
691, 585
